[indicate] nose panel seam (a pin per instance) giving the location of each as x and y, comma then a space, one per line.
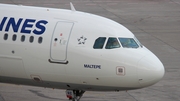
150, 70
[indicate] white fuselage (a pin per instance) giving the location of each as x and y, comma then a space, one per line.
54, 48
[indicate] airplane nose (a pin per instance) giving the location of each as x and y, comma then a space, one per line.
150, 70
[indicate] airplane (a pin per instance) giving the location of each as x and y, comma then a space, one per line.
72, 50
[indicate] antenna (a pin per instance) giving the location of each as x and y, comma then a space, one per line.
72, 7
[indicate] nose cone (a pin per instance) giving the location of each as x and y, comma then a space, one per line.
150, 70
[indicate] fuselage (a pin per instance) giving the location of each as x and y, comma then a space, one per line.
67, 49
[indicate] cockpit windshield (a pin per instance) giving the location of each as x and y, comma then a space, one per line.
128, 43
112, 43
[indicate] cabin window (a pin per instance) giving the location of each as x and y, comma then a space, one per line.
112, 43
22, 38
31, 39
99, 43
14, 37
40, 39
128, 43
5, 36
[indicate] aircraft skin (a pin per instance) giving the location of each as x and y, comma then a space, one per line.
53, 48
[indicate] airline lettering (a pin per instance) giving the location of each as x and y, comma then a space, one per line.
27, 25
92, 66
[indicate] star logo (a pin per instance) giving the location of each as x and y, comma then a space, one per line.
81, 40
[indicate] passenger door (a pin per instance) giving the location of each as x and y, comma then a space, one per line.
59, 42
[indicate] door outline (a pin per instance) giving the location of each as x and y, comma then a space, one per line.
64, 61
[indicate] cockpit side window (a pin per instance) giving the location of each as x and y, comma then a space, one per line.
112, 43
128, 43
99, 43
138, 42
